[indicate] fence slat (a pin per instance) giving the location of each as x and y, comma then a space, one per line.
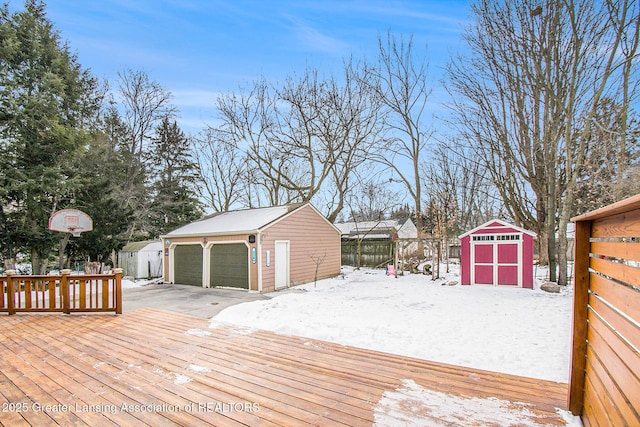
105, 293
625, 224
605, 388
621, 272
598, 405
52, 293
621, 250
605, 345
625, 327
3, 289
622, 297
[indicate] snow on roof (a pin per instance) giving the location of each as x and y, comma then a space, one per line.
241, 221
403, 228
146, 245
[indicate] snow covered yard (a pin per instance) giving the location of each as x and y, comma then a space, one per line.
516, 331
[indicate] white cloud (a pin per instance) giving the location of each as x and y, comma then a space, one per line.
315, 40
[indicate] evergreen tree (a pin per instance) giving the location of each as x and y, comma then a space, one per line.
46, 100
100, 168
174, 173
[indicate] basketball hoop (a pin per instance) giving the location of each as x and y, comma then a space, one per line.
72, 221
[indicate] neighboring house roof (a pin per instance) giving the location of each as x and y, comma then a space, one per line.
497, 224
237, 222
378, 229
139, 246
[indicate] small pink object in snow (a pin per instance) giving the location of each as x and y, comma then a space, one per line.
391, 270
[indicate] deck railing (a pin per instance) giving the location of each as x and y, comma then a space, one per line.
63, 293
604, 384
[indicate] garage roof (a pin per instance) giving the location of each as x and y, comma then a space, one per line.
233, 222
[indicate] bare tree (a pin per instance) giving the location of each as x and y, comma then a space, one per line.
306, 137
221, 169
399, 78
134, 113
528, 95
143, 103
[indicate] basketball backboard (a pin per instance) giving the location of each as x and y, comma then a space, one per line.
72, 221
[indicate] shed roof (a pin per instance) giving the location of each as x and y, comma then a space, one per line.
497, 223
138, 246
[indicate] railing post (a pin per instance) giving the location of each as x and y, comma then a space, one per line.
64, 289
10, 292
118, 289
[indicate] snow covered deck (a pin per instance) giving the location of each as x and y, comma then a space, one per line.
163, 368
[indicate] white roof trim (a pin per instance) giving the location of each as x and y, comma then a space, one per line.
501, 222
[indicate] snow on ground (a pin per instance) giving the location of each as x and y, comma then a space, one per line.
128, 283
516, 331
406, 406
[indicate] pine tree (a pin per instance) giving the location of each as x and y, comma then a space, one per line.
46, 101
100, 168
174, 172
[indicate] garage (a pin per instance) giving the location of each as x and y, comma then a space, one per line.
230, 265
188, 265
497, 253
259, 249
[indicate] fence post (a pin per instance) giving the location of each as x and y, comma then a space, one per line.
64, 289
582, 249
118, 289
10, 292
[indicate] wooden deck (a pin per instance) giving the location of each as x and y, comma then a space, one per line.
161, 368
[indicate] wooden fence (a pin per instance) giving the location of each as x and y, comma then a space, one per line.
373, 252
64, 293
604, 384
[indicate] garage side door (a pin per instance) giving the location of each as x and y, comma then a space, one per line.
230, 265
188, 265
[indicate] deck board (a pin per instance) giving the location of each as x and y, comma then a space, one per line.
197, 375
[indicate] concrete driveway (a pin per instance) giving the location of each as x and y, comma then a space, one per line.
192, 300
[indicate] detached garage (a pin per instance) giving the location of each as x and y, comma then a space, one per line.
497, 253
258, 249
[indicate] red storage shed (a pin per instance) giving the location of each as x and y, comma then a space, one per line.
497, 253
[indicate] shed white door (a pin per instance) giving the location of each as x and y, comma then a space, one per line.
496, 260
282, 264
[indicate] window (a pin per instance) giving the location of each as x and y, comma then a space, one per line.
483, 238
509, 237
491, 238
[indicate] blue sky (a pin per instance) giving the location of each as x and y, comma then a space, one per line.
198, 48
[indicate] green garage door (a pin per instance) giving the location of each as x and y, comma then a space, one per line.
230, 265
188, 265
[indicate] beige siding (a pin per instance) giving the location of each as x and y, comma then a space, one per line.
311, 237
253, 268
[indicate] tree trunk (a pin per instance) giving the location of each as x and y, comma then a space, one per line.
551, 234
563, 278
38, 265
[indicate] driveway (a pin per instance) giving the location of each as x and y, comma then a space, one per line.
192, 300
